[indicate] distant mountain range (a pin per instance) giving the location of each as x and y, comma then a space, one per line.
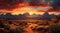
27, 16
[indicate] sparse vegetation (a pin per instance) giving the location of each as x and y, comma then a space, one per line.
36, 25
55, 28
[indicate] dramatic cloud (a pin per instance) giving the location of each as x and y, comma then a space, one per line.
9, 4
56, 4
13, 4
34, 2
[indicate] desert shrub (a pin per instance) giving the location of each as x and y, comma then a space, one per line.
55, 28
19, 30
10, 22
1, 31
1, 25
23, 24
11, 31
7, 27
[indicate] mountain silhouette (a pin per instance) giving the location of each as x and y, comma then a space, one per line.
47, 16
24, 16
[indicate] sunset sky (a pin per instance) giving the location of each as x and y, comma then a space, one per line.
29, 6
